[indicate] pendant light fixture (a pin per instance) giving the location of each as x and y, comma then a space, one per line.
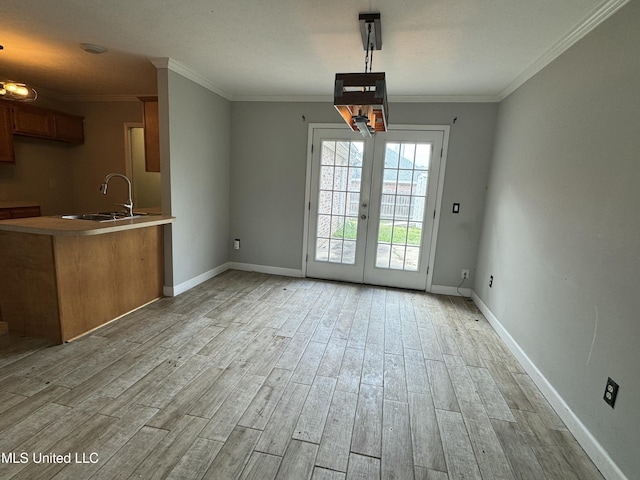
361, 98
11, 90
17, 91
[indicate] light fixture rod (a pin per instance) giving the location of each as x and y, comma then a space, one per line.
372, 19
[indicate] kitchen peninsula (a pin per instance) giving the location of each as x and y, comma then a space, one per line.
61, 278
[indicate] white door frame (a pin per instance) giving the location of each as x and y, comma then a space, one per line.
438, 207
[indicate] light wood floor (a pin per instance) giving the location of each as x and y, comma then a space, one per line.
259, 377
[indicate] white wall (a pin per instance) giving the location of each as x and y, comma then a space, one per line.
269, 155
561, 232
194, 132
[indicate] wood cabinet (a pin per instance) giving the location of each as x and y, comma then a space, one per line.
19, 212
61, 287
68, 128
39, 122
6, 135
32, 121
151, 134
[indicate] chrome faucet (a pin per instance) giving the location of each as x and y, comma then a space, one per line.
103, 190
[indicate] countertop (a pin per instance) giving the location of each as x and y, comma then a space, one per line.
58, 226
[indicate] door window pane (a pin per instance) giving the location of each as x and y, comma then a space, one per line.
340, 172
402, 205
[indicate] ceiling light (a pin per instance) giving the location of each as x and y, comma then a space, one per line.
17, 91
361, 98
93, 48
11, 90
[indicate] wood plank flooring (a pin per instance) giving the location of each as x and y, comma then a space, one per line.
251, 376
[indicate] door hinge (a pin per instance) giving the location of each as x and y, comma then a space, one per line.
307, 258
427, 269
309, 205
441, 152
312, 148
434, 214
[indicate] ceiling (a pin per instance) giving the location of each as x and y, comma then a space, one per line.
289, 49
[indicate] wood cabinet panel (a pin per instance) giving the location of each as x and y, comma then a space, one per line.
32, 121
61, 287
102, 277
68, 128
6, 135
151, 134
5, 214
38, 122
28, 285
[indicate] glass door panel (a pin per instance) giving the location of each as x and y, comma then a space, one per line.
371, 206
337, 231
404, 181
403, 201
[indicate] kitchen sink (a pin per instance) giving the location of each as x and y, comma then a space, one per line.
103, 216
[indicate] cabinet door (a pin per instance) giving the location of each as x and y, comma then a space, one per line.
32, 121
68, 128
6, 135
151, 134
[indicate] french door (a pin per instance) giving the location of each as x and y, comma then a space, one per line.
372, 206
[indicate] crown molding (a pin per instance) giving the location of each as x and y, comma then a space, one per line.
103, 98
599, 15
443, 99
283, 98
186, 72
392, 99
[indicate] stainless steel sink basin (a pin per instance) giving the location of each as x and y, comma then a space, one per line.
103, 216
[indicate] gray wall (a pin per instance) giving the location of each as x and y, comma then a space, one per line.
269, 157
195, 155
561, 232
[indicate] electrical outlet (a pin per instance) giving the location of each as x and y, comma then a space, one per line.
465, 273
490, 281
611, 392
236, 244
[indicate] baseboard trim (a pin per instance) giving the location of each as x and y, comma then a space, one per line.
592, 447
249, 267
453, 291
173, 291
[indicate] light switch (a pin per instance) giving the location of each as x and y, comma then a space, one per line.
456, 208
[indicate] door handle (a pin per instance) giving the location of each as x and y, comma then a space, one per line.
363, 216
364, 205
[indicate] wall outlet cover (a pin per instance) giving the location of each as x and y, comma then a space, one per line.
611, 392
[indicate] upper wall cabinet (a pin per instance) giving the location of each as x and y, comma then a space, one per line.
68, 128
6, 134
151, 134
39, 122
29, 120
